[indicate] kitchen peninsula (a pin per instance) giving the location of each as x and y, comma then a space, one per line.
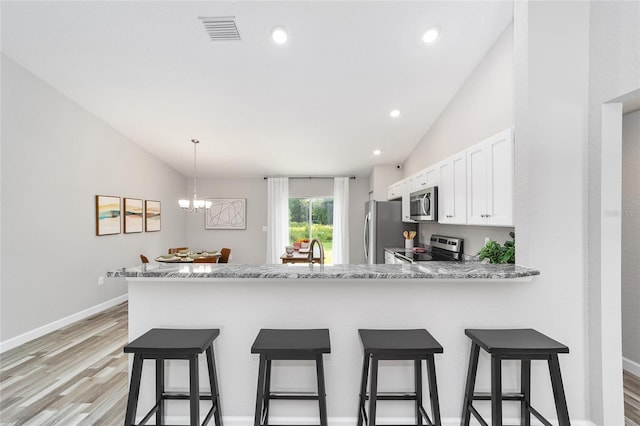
442, 297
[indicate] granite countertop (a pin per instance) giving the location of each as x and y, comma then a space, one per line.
423, 271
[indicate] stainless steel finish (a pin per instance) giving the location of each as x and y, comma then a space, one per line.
383, 228
450, 244
424, 205
313, 242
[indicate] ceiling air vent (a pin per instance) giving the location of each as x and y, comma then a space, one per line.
221, 28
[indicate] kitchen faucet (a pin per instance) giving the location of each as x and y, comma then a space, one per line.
311, 244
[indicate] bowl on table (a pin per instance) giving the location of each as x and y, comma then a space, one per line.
289, 250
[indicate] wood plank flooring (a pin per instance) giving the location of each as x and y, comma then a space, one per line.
78, 376
74, 376
631, 399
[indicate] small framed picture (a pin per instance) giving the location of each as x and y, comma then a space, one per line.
107, 215
226, 213
133, 214
152, 215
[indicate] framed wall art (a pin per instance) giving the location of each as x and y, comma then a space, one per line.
133, 215
152, 215
107, 215
226, 213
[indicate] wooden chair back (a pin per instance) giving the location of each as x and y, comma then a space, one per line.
144, 258
224, 255
175, 250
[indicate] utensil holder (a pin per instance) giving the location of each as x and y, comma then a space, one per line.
408, 244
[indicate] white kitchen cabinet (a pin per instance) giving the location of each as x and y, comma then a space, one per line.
407, 188
490, 181
452, 191
425, 179
394, 192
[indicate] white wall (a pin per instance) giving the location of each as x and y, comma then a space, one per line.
481, 108
612, 72
380, 178
249, 246
56, 157
631, 239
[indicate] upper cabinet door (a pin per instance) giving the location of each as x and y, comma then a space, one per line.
452, 191
476, 184
490, 181
500, 179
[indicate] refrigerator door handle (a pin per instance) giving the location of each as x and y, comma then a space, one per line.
366, 237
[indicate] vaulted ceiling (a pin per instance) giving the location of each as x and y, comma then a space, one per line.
317, 105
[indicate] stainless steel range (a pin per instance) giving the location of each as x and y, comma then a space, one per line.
441, 249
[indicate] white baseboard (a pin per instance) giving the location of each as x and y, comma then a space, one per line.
345, 421
55, 325
631, 366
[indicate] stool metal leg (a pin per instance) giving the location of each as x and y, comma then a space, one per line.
160, 390
363, 389
433, 391
471, 384
525, 389
260, 392
213, 383
322, 393
496, 390
194, 391
373, 392
558, 391
417, 367
134, 391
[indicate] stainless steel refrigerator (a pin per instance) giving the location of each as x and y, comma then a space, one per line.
383, 227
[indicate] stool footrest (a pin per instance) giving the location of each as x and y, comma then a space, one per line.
486, 396
294, 395
205, 396
394, 396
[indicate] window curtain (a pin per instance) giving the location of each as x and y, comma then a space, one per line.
340, 220
277, 218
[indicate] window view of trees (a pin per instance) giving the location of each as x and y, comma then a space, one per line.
312, 218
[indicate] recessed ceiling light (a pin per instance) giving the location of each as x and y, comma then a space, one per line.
395, 113
279, 35
377, 152
430, 35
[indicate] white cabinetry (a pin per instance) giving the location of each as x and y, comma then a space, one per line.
425, 179
394, 192
407, 188
490, 181
452, 191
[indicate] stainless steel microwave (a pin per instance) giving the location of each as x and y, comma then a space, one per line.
424, 204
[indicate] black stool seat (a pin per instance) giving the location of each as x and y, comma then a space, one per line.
515, 344
410, 344
161, 344
289, 344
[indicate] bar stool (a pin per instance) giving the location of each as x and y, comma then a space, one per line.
289, 344
519, 344
416, 345
161, 344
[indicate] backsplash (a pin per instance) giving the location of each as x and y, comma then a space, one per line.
473, 235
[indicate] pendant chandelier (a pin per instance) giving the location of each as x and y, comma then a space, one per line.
195, 205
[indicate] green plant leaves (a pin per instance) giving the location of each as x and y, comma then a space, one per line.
497, 253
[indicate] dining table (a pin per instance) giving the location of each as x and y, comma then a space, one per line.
186, 257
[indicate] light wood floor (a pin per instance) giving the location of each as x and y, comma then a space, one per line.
78, 376
74, 376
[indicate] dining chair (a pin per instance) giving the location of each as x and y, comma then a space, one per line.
224, 255
144, 258
174, 250
207, 259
